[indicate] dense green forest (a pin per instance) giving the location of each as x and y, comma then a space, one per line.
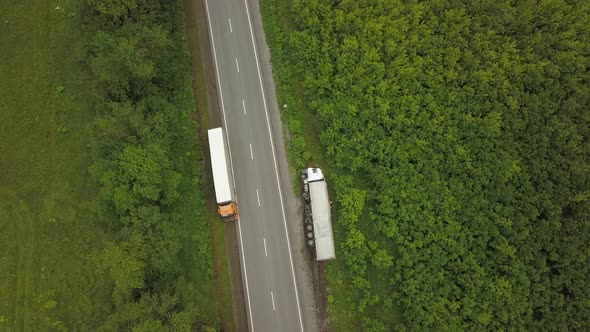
146, 161
457, 133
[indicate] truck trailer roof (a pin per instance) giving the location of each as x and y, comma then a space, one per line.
322, 224
219, 165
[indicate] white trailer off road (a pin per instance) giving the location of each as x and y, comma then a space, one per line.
315, 193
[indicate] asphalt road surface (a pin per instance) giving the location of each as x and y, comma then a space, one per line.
272, 298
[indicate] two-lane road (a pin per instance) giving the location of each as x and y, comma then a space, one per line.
272, 297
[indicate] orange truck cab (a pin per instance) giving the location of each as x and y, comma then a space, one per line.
228, 211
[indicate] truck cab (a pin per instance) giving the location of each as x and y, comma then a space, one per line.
228, 211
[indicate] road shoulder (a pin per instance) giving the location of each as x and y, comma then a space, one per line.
303, 263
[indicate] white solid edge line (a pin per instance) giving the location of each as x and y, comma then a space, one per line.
244, 106
251, 154
230, 29
275, 163
273, 301
230, 162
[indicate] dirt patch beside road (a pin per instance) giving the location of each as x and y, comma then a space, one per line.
321, 297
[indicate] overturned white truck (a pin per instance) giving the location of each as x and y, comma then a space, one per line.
318, 222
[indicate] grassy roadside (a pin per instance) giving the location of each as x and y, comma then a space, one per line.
222, 283
193, 259
48, 229
303, 138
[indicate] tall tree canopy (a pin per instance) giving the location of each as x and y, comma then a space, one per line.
145, 162
464, 128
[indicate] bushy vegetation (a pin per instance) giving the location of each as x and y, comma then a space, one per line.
125, 248
461, 130
145, 160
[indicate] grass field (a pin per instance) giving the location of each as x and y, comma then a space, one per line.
48, 233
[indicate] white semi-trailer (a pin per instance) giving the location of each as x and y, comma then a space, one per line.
226, 206
315, 192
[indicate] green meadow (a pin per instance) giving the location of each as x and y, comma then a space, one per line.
48, 233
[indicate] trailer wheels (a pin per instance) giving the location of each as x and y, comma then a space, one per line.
306, 196
307, 210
